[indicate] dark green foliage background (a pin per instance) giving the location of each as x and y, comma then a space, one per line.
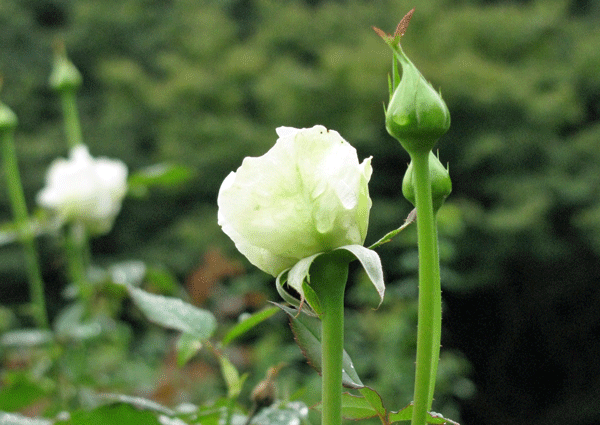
205, 83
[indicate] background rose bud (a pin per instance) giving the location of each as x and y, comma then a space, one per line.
307, 194
86, 189
441, 185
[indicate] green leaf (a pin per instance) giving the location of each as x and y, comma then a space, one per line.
374, 399
159, 175
356, 407
307, 331
402, 415
367, 405
406, 415
118, 414
173, 313
16, 419
371, 264
187, 347
248, 323
412, 216
437, 418
312, 298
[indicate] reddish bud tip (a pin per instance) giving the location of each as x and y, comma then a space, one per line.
401, 28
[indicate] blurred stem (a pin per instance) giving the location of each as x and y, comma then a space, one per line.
77, 258
429, 316
27, 239
71, 117
329, 274
77, 240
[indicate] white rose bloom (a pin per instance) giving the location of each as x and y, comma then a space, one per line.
86, 189
307, 194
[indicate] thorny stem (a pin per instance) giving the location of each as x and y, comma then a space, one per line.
429, 316
328, 278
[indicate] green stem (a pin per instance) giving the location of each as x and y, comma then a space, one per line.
77, 241
429, 323
437, 316
328, 278
71, 117
17, 200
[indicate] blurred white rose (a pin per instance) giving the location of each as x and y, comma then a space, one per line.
307, 194
86, 189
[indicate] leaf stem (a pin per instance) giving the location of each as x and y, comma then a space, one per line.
328, 279
26, 237
429, 316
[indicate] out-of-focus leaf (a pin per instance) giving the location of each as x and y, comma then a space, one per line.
232, 377
187, 347
248, 323
161, 279
128, 272
16, 419
307, 331
159, 175
69, 324
173, 313
286, 414
137, 402
166, 420
117, 414
20, 391
36, 225
26, 338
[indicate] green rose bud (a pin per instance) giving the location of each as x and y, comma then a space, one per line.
8, 119
308, 194
64, 76
416, 115
441, 185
